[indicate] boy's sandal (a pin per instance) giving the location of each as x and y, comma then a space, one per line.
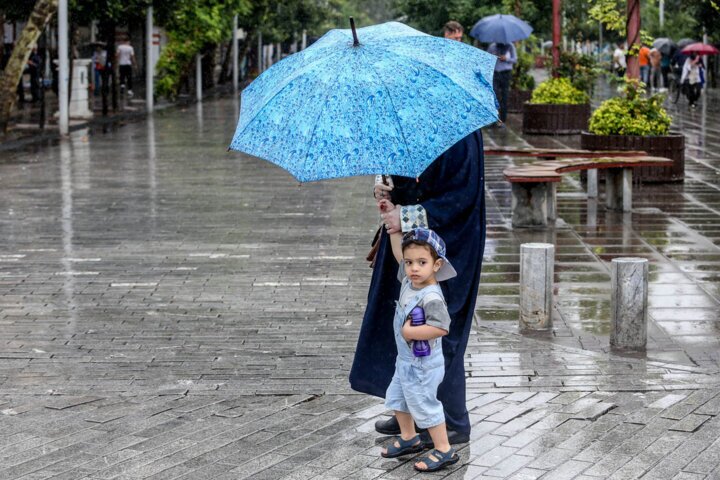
405, 447
443, 460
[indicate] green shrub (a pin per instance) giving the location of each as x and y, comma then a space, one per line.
558, 91
631, 114
521, 78
582, 70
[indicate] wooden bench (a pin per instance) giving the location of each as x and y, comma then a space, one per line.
534, 185
553, 153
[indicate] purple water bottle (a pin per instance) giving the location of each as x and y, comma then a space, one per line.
421, 348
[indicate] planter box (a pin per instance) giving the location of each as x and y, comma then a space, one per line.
546, 119
516, 100
668, 146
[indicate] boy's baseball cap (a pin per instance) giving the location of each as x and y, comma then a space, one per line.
447, 271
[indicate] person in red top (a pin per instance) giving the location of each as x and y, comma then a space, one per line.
644, 57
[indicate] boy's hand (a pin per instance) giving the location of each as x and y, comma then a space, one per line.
406, 331
385, 205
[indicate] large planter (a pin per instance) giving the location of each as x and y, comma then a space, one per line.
668, 146
547, 119
516, 100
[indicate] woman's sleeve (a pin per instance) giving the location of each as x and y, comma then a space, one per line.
457, 185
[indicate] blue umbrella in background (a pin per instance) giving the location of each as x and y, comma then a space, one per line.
500, 29
386, 99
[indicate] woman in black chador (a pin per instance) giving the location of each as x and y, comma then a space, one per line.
448, 197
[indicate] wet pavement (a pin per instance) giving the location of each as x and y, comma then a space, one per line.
173, 310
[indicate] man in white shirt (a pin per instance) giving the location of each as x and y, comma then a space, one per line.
125, 55
619, 63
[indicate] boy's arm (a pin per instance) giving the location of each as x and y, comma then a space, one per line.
396, 242
421, 332
386, 206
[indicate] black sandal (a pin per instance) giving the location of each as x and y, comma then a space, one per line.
443, 460
406, 447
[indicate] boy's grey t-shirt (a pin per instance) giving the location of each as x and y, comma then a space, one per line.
436, 313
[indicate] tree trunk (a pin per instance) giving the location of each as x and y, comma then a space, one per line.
633, 38
41, 14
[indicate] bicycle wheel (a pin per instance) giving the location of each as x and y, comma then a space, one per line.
674, 91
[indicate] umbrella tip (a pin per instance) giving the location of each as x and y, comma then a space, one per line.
356, 42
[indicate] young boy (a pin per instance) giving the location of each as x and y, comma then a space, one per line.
412, 393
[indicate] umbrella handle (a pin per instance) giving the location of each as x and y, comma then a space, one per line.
356, 42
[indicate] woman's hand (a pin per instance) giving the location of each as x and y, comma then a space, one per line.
391, 218
381, 191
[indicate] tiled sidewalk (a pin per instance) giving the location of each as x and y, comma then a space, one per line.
171, 310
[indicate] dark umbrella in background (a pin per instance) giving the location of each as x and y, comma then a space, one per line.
665, 45
684, 42
500, 29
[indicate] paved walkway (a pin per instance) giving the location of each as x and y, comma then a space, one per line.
172, 310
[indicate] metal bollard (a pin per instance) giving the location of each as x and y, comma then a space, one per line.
537, 265
629, 283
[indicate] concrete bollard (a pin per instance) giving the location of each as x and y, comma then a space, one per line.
629, 284
537, 261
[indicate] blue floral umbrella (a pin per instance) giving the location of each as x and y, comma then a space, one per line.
386, 99
500, 29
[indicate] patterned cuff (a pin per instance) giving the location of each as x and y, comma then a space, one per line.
413, 216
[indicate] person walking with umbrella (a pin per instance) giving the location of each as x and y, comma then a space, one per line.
507, 58
500, 31
691, 78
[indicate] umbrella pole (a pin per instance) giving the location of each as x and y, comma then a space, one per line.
356, 42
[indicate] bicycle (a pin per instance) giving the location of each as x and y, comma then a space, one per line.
675, 88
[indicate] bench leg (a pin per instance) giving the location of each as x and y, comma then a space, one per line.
552, 201
613, 188
592, 183
627, 189
529, 204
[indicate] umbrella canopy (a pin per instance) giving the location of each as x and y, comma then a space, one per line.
701, 49
665, 45
389, 104
684, 42
500, 29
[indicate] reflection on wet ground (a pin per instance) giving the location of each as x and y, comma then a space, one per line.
675, 226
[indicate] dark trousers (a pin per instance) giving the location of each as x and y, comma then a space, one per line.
501, 85
126, 76
692, 90
665, 71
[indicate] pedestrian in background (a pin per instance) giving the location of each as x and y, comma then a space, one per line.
507, 58
126, 61
655, 69
691, 79
644, 60
99, 60
453, 31
32, 68
619, 61
665, 68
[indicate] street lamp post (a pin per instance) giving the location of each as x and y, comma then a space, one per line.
63, 70
556, 6
235, 73
149, 64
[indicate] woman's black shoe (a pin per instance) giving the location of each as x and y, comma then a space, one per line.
454, 438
